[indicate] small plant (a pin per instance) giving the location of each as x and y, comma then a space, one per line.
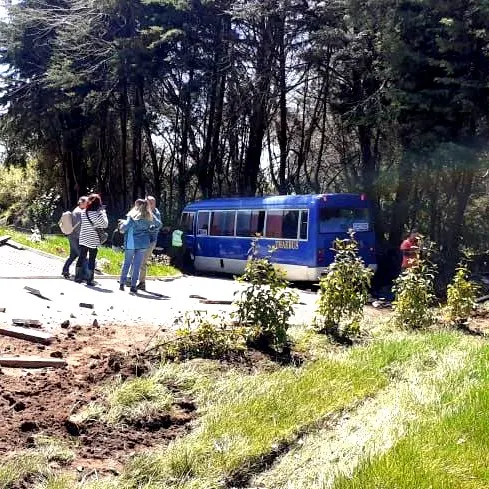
266, 305
42, 209
344, 290
414, 297
35, 236
204, 336
461, 294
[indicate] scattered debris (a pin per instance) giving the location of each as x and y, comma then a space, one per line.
27, 323
65, 324
37, 293
31, 362
27, 334
2, 309
56, 354
86, 306
3, 240
193, 296
222, 303
95, 323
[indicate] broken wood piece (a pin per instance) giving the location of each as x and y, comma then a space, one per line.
26, 334
27, 323
193, 296
86, 306
31, 362
3, 240
15, 246
222, 303
36, 292
2, 309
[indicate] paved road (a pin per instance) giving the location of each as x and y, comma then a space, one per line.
169, 299
26, 263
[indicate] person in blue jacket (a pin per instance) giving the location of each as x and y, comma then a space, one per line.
138, 228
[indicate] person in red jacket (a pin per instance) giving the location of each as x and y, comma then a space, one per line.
410, 250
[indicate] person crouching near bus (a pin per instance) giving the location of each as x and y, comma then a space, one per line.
93, 220
74, 237
153, 237
137, 229
410, 248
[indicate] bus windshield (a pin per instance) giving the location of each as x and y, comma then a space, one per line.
341, 220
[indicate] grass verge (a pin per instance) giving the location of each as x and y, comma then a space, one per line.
136, 400
34, 463
246, 418
450, 453
59, 246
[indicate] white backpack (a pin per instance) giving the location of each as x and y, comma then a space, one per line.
66, 223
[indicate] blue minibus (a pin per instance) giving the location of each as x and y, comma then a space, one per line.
300, 228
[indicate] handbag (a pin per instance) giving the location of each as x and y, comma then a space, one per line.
103, 236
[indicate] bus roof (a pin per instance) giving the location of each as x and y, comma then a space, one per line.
288, 201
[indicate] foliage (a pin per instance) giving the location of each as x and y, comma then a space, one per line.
42, 209
344, 290
205, 336
414, 297
461, 295
266, 305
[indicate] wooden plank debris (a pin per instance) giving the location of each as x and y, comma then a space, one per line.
32, 362
2, 309
27, 334
222, 303
86, 306
27, 323
36, 292
3, 240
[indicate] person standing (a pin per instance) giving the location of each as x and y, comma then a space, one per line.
74, 237
137, 227
153, 237
410, 251
177, 249
93, 219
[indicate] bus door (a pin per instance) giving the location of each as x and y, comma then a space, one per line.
187, 224
335, 223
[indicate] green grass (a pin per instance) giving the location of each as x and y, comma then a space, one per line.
450, 453
33, 463
138, 399
59, 246
247, 417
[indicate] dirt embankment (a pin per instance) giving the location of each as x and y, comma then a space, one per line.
41, 401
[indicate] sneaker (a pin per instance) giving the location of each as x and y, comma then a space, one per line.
66, 275
141, 286
121, 287
134, 290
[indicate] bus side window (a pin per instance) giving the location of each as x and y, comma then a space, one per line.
203, 223
304, 225
222, 223
282, 224
250, 223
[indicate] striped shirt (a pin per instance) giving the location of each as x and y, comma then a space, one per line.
88, 234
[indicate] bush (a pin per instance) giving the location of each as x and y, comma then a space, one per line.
265, 306
42, 209
204, 336
344, 290
414, 297
461, 294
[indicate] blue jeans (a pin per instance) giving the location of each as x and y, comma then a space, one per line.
134, 258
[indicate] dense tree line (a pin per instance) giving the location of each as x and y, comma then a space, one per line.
202, 98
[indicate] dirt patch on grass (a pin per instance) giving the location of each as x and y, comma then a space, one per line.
41, 401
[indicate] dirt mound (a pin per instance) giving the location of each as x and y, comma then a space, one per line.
41, 401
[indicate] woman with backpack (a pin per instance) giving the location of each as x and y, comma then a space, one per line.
92, 236
137, 229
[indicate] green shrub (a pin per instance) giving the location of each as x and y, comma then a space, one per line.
204, 336
42, 209
266, 305
344, 290
414, 297
461, 294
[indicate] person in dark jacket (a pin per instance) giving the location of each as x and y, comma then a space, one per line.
74, 237
137, 227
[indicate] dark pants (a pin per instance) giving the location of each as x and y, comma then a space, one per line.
82, 259
74, 254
